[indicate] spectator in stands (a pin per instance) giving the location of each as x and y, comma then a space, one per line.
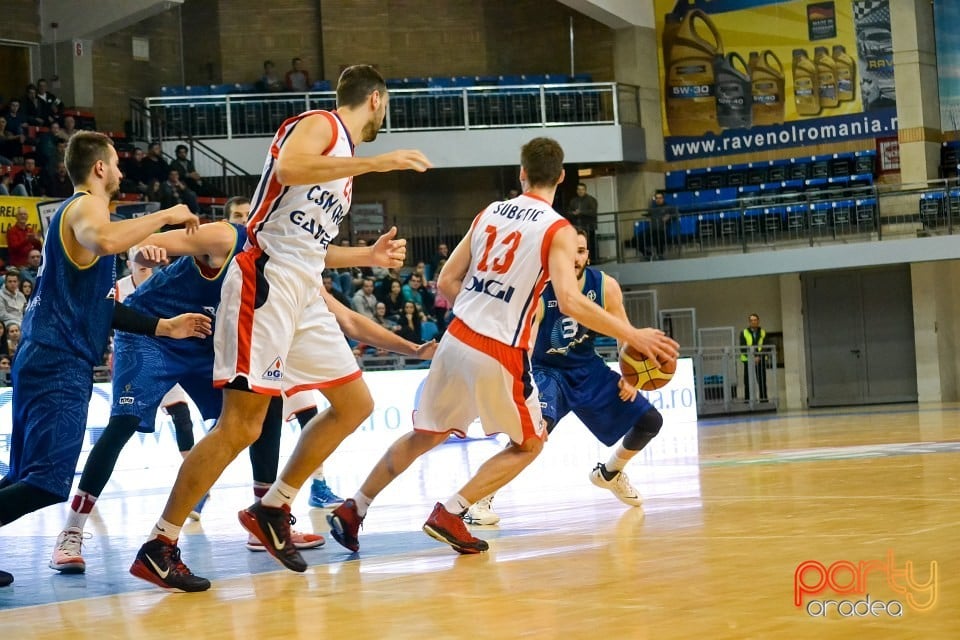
135, 178
26, 288
11, 146
381, 318
297, 79
443, 252
21, 239
35, 111
4, 350
415, 292
511, 194
187, 170
12, 301
27, 183
5, 370
441, 306
13, 339
364, 302
328, 285
173, 192
582, 212
53, 102
6, 184
155, 167
269, 81
661, 214
394, 300
153, 191
30, 271
16, 121
58, 184
411, 320
347, 280
69, 127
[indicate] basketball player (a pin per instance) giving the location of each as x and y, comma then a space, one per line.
66, 326
481, 369
571, 376
276, 333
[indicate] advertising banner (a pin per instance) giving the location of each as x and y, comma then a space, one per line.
945, 15
8, 214
754, 75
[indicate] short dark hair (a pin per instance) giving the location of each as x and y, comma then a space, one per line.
543, 160
294, 60
84, 150
582, 232
580, 184
182, 146
233, 203
358, 82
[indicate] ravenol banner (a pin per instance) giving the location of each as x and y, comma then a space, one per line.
753, 75
946, 14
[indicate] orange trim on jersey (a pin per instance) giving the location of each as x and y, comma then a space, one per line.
510, 357
333, 138
266, 391
248, 295
528, 318
324, 385
526, 420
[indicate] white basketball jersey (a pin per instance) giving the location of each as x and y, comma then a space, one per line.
295, 224
508, 269
123, 287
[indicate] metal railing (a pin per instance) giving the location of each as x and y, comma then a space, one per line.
439, 108
726, 383
809, 218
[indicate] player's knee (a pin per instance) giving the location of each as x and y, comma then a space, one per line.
647, 427
531, 446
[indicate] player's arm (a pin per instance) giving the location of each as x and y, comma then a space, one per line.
185, 325
450, 280
365, 330
613, 302
89, 223
652, 343
216, 240
301, 159
388, 251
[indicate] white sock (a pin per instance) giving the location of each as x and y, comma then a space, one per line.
80, 509
318, 474
619, 459
457, 504
363, 503
166, 529
279, 494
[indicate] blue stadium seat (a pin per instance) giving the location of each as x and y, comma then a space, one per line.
428, 330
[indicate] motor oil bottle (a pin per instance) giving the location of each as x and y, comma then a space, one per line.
690, 92
767, 87
846, 74
734, 104
826, 78
806, 92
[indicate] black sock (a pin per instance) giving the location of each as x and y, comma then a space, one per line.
19, 499
607, 475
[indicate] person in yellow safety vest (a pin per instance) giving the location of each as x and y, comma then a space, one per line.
753, 336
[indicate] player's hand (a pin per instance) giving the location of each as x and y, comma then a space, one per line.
152, 256
180, 214
185, 325
654, 344
426, 350
404, 159
627, 392
388, 251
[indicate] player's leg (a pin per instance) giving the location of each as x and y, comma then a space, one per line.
303, 406
264, 459
505, 397
595, 398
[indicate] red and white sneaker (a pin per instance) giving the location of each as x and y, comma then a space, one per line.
300, 540
66, 556
449, 529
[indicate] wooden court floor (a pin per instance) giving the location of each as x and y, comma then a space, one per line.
864, 501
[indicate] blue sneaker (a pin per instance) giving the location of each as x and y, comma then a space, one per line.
195, 514
322, 497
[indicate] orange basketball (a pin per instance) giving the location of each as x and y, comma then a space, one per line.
643, 373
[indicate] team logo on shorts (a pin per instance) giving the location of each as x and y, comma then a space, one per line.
274, 371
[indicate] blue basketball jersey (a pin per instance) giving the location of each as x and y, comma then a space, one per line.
184, 286
72, 306
561, 340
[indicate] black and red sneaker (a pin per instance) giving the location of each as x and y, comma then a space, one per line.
158, 561
449, 529
271, 526
345, 525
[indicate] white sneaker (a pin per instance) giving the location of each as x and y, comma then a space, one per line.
620, 486
66, 556
481, 512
